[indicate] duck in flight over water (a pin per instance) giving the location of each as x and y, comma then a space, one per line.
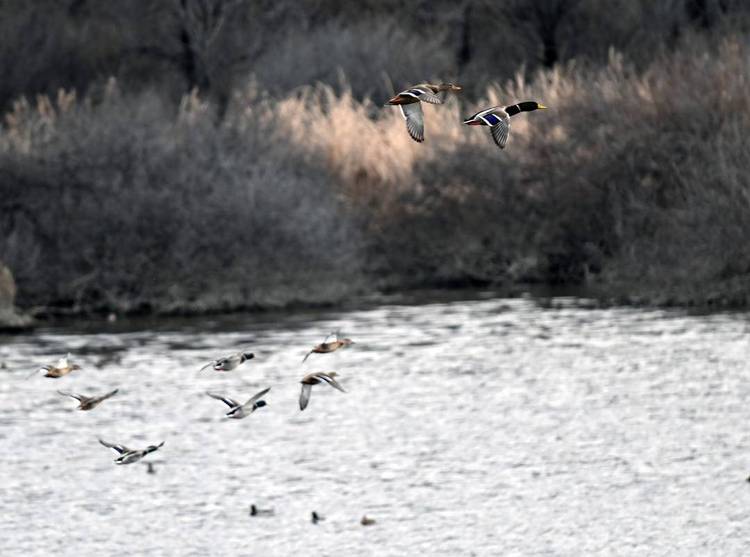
129, 456
230, 362
326, 347
313, 379
239, 411
88, 402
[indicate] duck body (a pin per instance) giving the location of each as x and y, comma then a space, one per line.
61, 368
498, 119
314, 379
238, 411
408, 102
328, 347
129, 456
89, 402
230, 362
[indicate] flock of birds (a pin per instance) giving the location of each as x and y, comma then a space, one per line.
237, 410
496, 117
409, 102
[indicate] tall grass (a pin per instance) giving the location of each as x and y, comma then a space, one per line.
633, 181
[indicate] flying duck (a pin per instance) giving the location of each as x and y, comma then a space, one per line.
498, 119
239, 411
230, 362
327, 347
313, 379
88, 402
129, 456
409, 101
62, 367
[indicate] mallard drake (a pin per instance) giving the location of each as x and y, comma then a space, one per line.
230, 362
315, 517
326, 347
239, 411
313, 379
366, 521
408, 101
255, 511
129, 456
62, 367
88, 402
498, 119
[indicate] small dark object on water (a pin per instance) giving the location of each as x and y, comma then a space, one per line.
255, 511
150, 468
315, 517
366, 521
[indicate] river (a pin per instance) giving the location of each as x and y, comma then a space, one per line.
483, 426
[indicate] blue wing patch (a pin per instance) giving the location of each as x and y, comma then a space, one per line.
415, 92
491, 119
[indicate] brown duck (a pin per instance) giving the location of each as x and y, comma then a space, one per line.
88, 402
409, 101
327, 347
62, 367
314, 379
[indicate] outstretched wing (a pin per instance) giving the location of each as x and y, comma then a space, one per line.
225, 399
500, 133
304, 396
119, 448
414, 117
331, 381
256, 397
79, 398
209, 364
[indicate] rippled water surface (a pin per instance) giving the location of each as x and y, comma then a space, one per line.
483, 427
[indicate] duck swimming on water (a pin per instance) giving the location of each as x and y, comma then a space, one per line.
255, 511
409, 101
498, 119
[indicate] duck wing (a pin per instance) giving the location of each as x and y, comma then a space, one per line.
500, 133
209, 364
122, 449
225, 399
304, 396
414, 117
331, 381
256, 397
108, 395
79, 398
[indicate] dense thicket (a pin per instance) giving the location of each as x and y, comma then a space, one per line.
241, 157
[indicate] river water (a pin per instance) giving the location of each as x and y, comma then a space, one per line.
469, 427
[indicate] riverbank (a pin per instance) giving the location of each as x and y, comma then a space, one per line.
632, 184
